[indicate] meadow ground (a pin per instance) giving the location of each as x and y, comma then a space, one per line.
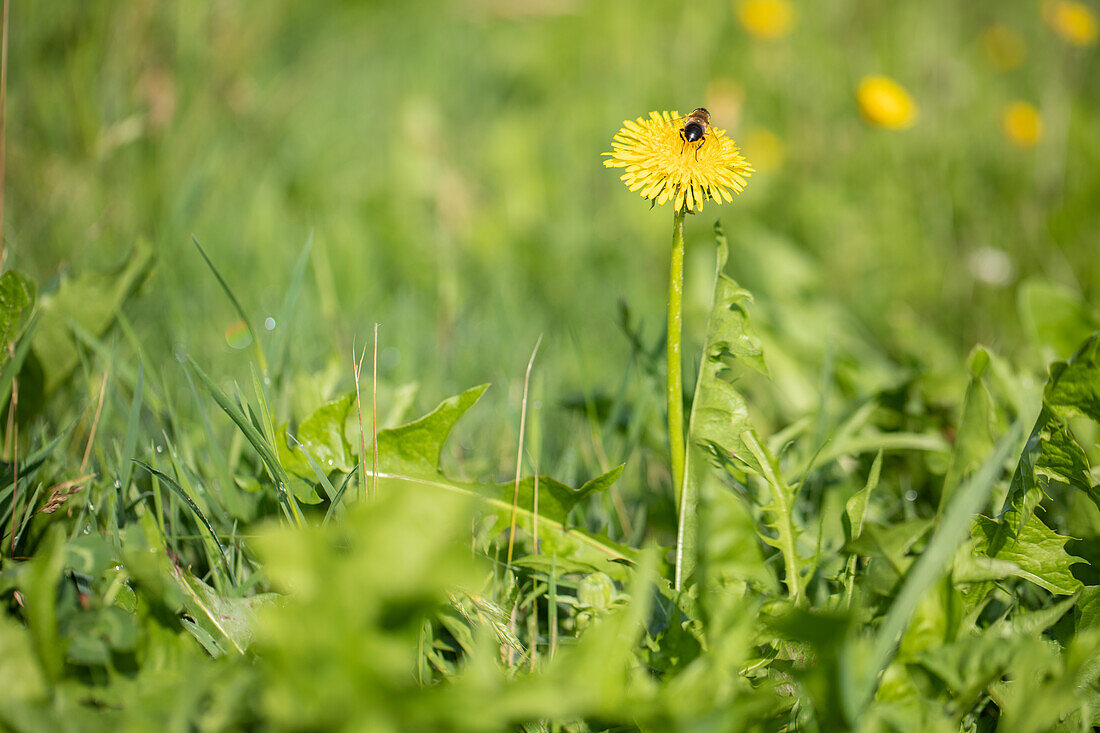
209, 206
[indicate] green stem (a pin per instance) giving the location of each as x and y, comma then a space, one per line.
674, 392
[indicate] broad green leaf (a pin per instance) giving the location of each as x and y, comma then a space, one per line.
719, 414
970, 567
17, 294
412, 452
341, 646
968, 665
229, 620
1041, 688
856, 507
40, 579
89, 300
1038, 552
416, 447
410, 455
1052, 460
323, 435
1033, 623
890, 541
23, 678
972, 439
731, 559
1088, 608
556, 500
1074, 385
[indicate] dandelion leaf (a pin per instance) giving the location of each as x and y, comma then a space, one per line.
410, 454
719, 413
90, 300
1037, 553
416, 447
1053, 460
16, 302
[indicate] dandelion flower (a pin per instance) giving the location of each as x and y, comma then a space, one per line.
1071, 20
885, 103
664, 168
1022, 125
765, 19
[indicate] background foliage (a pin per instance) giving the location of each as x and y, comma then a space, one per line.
186, 538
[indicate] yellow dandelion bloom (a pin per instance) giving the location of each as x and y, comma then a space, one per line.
885, 103
765, 19
663, 167
1004, 48
1071, 20
1022, 124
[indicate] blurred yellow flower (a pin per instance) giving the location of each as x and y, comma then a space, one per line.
767, 19
1004, 47
766, 149
1022, 124
1071, 20
664, 168
885, 103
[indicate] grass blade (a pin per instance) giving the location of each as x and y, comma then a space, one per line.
236, 305
317, 470
280, 349
339, 495
178, 491
129, 443
252, 434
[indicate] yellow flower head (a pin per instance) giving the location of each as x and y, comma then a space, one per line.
664, 167
766, 19
1071, 20
1022, 125
885, 103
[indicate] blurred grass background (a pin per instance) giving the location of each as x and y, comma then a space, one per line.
446, 158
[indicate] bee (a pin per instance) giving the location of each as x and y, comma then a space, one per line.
695, 129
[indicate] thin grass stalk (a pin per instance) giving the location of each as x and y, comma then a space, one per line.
519, 452
357, 369
12, 408
3, 123
374, 411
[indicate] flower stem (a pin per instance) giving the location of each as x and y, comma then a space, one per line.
674, 393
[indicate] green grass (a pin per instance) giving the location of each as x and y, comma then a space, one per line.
890, 513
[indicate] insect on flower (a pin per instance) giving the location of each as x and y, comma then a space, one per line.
695, 128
